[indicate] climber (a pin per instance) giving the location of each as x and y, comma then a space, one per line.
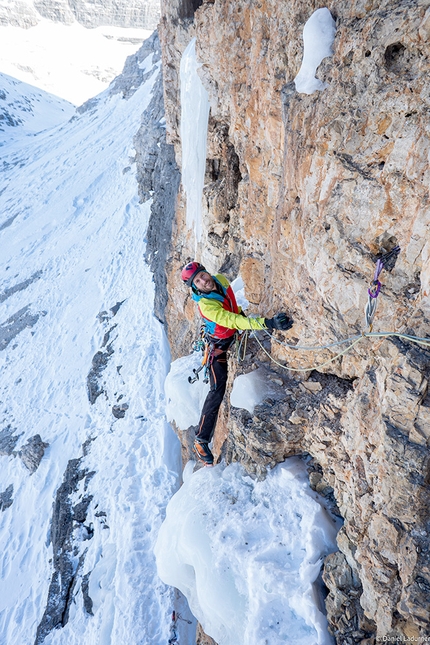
222, 317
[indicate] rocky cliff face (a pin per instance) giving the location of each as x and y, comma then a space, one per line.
134, 13
302, 194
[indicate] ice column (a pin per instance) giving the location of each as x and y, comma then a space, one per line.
194, 129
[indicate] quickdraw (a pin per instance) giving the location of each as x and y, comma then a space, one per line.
386, 261
205, 365
202, 345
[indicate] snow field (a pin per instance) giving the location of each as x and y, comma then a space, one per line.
30, 110
78, 222
247, 554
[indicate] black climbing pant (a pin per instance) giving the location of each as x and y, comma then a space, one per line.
218, 380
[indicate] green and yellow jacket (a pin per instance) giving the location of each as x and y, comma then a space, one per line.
221, 313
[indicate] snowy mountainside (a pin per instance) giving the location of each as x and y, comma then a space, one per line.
122, 13
88, 459
47, 56
27, 110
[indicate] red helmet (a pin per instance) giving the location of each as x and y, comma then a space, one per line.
190, 271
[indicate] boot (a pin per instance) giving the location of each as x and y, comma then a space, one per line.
203, 453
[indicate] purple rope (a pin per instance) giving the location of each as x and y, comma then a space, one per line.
378, 269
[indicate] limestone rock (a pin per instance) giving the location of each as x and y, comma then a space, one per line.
8, 440
158, 177
6, 498
320, 186
17, 13
32, 453
66, 570
119, 411
15, 324
202, 638
312, 386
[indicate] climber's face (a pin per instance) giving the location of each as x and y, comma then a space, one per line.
204, 282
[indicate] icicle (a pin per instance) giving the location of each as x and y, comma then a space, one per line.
194, 128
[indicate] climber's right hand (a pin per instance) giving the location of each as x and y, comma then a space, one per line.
280, 321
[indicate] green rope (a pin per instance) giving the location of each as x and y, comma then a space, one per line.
353, 340
385, 334
312, 367
244, 342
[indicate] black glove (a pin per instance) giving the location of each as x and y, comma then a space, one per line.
280, 321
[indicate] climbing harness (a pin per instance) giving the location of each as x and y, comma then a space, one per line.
210, 351
386, 261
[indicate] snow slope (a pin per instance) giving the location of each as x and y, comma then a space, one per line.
24, 109
76, 300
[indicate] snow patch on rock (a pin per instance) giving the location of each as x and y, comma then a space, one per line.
247, 554
318, 37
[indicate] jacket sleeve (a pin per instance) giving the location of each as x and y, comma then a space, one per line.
213, 310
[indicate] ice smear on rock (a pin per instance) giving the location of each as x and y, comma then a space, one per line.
194, 128
247, 554
239, 292
318, 37
249, 390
